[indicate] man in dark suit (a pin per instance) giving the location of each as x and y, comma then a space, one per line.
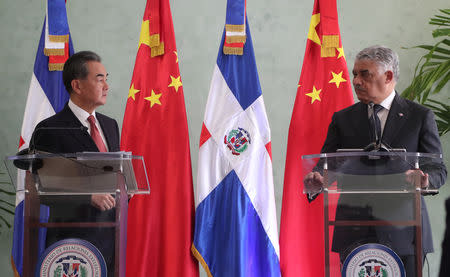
445, 258
77, 128
400, 123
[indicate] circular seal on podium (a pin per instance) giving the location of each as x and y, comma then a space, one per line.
71, 257
373, 259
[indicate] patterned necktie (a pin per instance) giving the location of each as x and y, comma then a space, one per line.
375, 121
95, 134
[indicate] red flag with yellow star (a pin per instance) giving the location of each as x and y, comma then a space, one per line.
324, 88
160, 225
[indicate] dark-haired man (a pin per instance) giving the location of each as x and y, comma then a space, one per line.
85, 78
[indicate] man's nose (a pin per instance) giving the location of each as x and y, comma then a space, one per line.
356, 80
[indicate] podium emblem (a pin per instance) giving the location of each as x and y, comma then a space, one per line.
237, 140
373, 260
71, 258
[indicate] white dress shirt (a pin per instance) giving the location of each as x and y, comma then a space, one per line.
383, 114
82, 116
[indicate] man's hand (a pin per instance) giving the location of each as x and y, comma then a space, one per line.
103, 202
313, 182
413, 175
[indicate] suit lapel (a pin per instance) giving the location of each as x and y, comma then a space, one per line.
362, 125
70, 120
398, 114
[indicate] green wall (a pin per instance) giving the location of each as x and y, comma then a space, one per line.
279, 29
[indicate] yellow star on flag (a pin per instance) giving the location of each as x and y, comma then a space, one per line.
341, 52
176, 54
312, 34
132, 92
154, 99
176, 83
337, 79
144, 37
315, 94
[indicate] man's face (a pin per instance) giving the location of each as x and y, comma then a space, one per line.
371, 82
94, 89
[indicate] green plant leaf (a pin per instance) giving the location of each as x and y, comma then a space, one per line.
5, 221
441, 84
432, 72
7, 210
434, 48
441, 32
439, 57
7, 192
440, 18
7, 203
442, 112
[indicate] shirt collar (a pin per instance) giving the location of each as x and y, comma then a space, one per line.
81, 114
387, 102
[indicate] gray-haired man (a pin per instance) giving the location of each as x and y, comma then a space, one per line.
401, 124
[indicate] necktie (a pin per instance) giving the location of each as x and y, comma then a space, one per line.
375, 122
95, 134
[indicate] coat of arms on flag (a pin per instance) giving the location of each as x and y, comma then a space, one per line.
235, 225
237, 140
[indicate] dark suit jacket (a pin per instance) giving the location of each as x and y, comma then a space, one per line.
63, 133
445, 258
410, 126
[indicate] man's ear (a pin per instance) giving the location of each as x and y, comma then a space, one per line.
76, 86
389, 76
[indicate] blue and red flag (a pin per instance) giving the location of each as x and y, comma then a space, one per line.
235, 225
46, 96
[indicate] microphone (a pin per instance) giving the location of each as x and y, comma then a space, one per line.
26, 164
381, 146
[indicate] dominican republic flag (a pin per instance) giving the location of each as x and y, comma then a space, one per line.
235, 225
46, 96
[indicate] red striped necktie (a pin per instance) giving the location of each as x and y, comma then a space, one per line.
95, 134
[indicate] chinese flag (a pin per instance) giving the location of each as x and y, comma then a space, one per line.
160, 225
324, 88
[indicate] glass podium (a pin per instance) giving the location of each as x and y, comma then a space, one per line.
374, 213
58, 215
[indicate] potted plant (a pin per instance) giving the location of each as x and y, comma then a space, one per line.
432, 72
6, 207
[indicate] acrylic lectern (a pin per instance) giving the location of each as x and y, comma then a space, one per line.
374, 211
57, 191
